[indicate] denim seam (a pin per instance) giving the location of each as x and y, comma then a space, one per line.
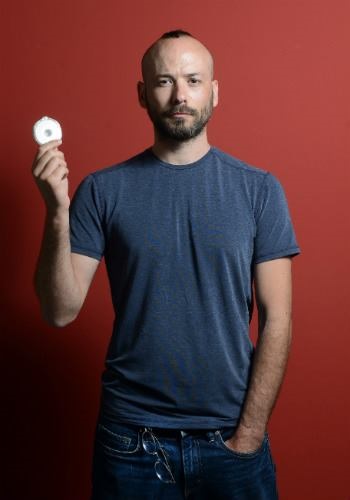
126, 439
197, 443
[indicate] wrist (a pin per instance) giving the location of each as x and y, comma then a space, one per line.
245, 430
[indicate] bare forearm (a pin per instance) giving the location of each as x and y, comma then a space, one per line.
55, 282
268, 369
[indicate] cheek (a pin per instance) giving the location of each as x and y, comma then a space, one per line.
160, 96
201, 95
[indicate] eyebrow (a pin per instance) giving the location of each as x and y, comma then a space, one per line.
163, 75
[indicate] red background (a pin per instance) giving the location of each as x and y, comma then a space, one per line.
283, 67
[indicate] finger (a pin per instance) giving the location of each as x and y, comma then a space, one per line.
43, 156
58, 175
50, 167
40, 165
47, 147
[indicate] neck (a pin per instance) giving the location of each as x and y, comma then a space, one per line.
181, 152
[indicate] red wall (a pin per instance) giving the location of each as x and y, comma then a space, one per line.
283, 67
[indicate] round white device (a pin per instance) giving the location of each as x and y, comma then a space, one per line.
47, 129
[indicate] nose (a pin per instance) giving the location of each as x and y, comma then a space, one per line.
179, 93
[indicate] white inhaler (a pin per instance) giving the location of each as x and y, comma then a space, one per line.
46, 129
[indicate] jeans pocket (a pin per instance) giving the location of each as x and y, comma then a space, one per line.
118, 439
238, 454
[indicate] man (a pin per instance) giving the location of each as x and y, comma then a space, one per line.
185, 231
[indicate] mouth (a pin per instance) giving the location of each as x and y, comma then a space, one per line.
179, 115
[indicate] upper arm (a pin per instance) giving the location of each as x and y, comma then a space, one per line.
84, 268
273, 288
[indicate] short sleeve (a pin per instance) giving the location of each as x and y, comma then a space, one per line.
275, 237
86, 230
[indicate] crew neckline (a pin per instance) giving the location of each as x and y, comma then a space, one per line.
186, 166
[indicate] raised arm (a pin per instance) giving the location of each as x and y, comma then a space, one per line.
62, 278
273, 287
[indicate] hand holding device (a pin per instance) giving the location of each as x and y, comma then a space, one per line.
49, 166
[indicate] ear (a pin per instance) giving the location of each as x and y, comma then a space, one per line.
141, 94
215, 85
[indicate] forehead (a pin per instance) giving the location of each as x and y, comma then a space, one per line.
179, 55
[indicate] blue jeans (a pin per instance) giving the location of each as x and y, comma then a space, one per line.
202, 466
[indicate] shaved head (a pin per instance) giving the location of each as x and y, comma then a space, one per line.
178, 90
160, 46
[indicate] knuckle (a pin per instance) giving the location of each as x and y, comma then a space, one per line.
36, 170
43, 176
35, 162
53, 161
58, 170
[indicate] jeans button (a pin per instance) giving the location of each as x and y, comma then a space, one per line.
211, 436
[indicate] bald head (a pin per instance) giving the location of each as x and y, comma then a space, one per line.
178, 90
179, 46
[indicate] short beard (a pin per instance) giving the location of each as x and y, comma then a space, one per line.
176, 129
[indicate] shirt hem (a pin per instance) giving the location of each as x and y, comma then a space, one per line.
87, 252
292, 252
170, 423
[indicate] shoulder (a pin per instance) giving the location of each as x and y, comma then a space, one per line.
239, 165
252, 180
253, 174
108, 181
119, 168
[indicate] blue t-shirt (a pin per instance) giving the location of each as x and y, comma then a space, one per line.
180, 243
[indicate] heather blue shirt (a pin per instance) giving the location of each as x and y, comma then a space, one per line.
180, 243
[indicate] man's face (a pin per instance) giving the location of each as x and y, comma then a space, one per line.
178, 91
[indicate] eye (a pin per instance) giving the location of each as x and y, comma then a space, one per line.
163, 82
194, 81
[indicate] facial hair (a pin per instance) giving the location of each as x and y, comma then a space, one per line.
176, 128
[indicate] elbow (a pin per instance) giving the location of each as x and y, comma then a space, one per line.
59, 323
276, 324
57, 311
275, 316
59, 320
